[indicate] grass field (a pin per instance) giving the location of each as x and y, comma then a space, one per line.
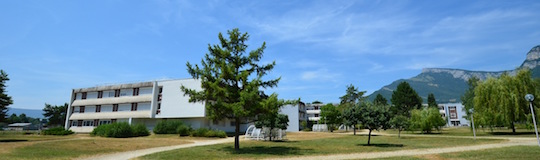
515, 152
19, 146
466, 131
313, 144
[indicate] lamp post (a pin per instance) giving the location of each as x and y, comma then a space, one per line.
530, 98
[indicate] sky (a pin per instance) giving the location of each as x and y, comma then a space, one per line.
49, 48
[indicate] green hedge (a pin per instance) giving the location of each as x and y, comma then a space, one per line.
204, 132
120, 130
59, 131
168, 127
184, 130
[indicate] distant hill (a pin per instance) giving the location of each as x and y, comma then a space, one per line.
449, 84
34, 113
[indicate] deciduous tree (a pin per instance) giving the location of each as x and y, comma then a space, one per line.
400, 122
331, 116
375, 117
426, 119
351, 116
232, 81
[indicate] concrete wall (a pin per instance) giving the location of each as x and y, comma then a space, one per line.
175, 105
294, 117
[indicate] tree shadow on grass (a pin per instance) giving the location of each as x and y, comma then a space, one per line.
264, 150
382, 145
510, 133
13, 140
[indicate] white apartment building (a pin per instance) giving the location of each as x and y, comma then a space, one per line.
453, 113
297, 115
144, 102
313, 111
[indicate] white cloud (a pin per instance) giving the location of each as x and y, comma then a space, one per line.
320, 75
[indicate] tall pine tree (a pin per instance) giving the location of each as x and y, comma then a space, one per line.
404, 99
232, 81
5, 100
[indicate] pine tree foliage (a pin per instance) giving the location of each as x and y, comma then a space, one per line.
232, 81
404, 99
379, 99
5, 100
432, 102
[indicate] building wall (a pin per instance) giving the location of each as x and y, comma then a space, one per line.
459, 120
292, 112
175, 105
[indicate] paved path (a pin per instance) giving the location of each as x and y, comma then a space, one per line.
416, 152
137, 153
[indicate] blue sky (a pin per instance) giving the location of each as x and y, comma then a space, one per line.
51, 47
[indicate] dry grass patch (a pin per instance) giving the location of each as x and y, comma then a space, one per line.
298, 136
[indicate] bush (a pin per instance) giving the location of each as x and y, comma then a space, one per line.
204, 132
120, 130
140, 130
168, 127
59, 131
183, 130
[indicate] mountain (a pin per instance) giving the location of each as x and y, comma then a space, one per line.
449, 84
34, 113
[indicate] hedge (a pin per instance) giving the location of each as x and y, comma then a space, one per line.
120, 130
168, 127
59, 131
204, 132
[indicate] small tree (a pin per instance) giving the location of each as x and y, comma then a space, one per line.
351, 116
426, 119
56, 115
14, 118
5, 100
400, 122
375, 117
331, 116
379, 99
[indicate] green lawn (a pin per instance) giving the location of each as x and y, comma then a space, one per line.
331, 145
466, 131
514, 152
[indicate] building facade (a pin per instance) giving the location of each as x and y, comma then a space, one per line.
313, 111
453, 113
142, 103
297, 115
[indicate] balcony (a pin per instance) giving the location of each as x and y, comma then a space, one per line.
313, 111
314, 118
115, 100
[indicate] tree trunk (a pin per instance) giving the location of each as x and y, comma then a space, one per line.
237, 135
399, 133
270, 134
513, 128
354, 130
369, 137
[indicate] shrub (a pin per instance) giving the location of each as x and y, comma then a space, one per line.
120, 130
140, 130
167, 127
59, 131
183, 130
204, 132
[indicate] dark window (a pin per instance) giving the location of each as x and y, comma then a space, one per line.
160, 89
133, 106
79, 123
96, 122
158, 108
74, 96
233, 123
316, 115
98, 108
115, 107
135, 91
83, 95
113, 120
117, 93
100, 94
81, 109
316, 107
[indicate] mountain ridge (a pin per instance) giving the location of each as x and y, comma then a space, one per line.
448, 84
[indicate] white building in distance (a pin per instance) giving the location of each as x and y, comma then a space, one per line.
145, 103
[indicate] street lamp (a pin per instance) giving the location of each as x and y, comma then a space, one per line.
530, 98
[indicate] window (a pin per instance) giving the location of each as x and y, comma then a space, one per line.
233, 123
453, 112
135, 91
115, 108
102, 122
160, 89
113, 120
88, 123
116, 93
158, 108
73, 123
83, 95
316, 107
316, 115
100, 94
98, 108
79, 123
74, 96
95, 122
81, 109
133, 106
111, 93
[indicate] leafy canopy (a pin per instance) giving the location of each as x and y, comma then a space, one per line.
56, 115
